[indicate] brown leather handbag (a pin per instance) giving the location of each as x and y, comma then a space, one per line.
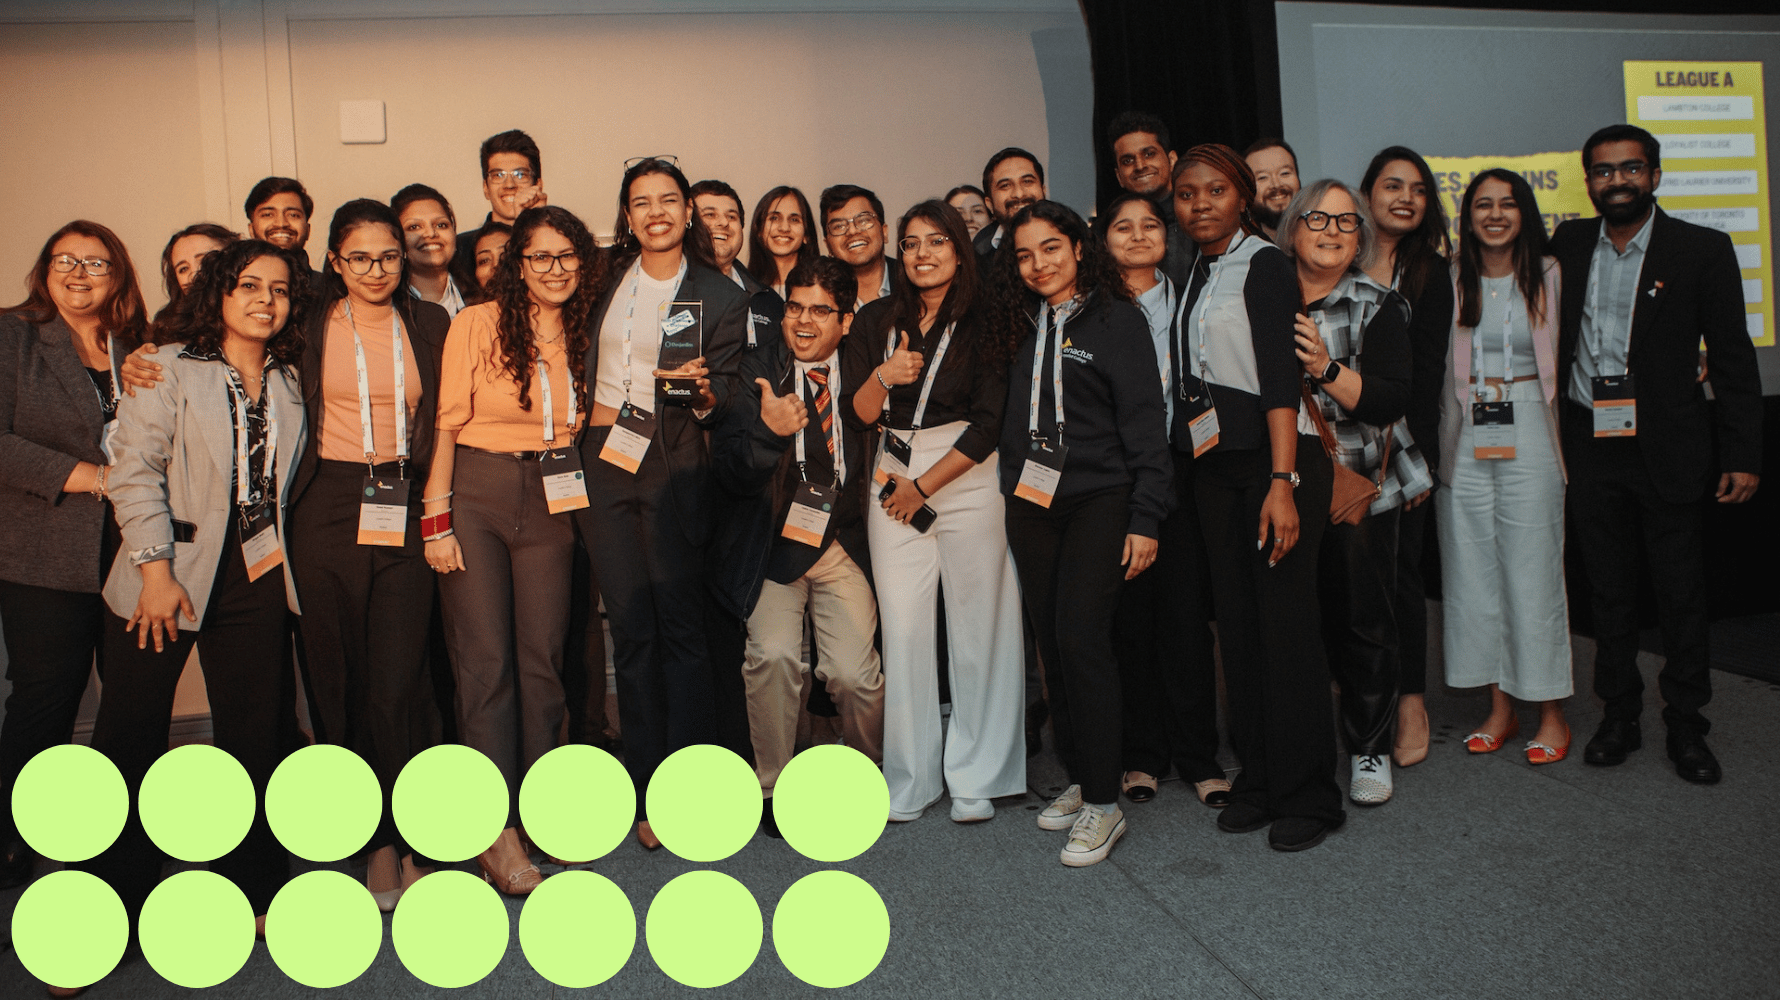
1354, 494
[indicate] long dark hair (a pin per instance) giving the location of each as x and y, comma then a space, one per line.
1225, 161
760, 260
1529, 249
697, 243
1097, 275
198, 322
519, 352
123, 315
473, 291
905, 298
355, 213
169, 280
1421, 255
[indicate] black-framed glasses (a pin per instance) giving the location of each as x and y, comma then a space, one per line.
543, 263
1633, 169
934, 241
521, 176
795, 310
864, 222
667, 158
98, 267
1347, 222
360, 263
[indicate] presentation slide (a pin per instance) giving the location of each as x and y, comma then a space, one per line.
1473, 89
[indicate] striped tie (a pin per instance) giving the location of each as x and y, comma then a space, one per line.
819, 375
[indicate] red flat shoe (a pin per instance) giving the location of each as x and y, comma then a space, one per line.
1539, 753
1481, 742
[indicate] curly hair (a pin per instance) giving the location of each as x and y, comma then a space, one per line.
123, 314
519, 351
198, 321
1008, 304
1224, 160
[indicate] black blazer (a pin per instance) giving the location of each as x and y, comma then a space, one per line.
426, 323
1690, 288
679, 433
758, 471
983, 243
50, 421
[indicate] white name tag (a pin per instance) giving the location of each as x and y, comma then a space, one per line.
807, 519
383, 512
565, 484
1042, 471
893, 458
260, 548
1616, 406
629, 440
1492, 430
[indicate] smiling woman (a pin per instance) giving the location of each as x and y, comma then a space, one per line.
429, 231
781, 237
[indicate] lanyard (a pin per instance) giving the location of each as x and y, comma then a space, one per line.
541, 372
834, 428
1507, 348
1166, 312
243, 467
1041, 343
939, 355
1203, 304
630, 315
364, 385
1594, 311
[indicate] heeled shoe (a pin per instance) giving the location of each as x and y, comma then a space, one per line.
1541, 753
518, 883
646, 836
388, 898
1406, 753
1482, 742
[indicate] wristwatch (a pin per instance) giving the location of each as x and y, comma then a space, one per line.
1331, 373
1290, 477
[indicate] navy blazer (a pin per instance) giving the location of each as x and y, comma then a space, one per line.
679, 433
1690, 289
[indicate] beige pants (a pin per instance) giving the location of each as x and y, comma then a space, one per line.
838, 598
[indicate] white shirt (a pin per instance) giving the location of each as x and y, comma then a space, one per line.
645, 346
833, 364
1607, 308
1158, 307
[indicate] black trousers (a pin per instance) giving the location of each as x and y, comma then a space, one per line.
252, 691
584, 655
363, 631
51, 636
1070, 578
1270, 631
1162, 635
1619, 521
650, 575
1410, 600
1357, 584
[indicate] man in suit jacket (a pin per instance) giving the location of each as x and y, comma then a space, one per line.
1641, 290
1014, 179
783, 443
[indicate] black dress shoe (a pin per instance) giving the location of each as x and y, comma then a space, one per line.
1243, 817
1611, 743
1300, 833
16, 864
769, 825
1693, 759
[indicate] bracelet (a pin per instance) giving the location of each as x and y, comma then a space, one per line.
880, 377
99, 483
447, 533
448, 495
435, 526
916, 483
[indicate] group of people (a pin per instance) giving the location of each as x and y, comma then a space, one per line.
1026, 438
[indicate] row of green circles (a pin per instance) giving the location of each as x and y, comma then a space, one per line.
578, 929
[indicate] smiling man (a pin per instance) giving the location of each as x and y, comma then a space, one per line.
512, 181
1014, 179
1276, 180
799, 472
720, 208
278, 211
1143, 162
853, 228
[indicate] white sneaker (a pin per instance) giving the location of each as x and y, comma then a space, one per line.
1371, 784
972, 810
1061, 813
1092, 837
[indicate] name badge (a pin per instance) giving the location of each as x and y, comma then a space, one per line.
1202, 422
565, 484
260, 547
629, 440
1492, 430
383, 512
893, 458
1043, 468
1616, 406
807, 519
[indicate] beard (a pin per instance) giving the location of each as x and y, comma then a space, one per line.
1264, 215
1620, 213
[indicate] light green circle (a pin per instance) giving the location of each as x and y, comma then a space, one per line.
196, 929
704, 929
323, 803
831, 803
577, 929
450, 802
450, 929
196, 802
831, 929
577, 802
704, 803
70, 803
70, 928
324, 929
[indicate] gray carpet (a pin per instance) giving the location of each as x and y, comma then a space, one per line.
1484, 878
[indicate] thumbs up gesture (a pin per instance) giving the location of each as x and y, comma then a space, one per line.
783, 415
904, 365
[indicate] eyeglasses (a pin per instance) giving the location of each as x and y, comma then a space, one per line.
98, 267
360, 263
1633, 169
1347, 222
934, 241
795, 310
543, 263
521, 177
865, 222
669, 159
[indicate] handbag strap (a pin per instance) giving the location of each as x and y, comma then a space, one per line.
1328, 436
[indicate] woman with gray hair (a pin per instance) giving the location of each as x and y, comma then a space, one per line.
1353, 340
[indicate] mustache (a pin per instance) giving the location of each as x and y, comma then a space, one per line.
1276, 191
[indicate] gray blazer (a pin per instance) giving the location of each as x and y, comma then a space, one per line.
175, 459
50, 421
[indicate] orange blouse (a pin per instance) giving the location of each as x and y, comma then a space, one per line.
342, 436
479, 401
